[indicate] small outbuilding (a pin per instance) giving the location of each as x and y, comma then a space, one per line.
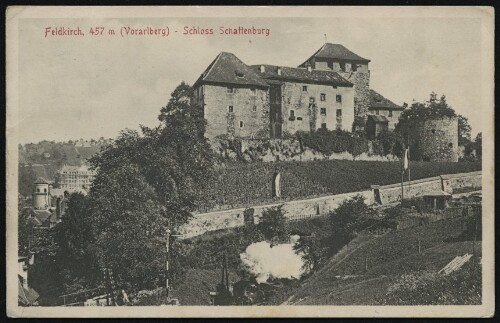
376, 124
437, 200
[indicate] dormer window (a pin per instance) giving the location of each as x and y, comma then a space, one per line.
239, 74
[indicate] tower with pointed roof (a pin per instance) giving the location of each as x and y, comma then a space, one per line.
41, 194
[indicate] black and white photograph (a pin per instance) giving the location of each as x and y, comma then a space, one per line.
250, 161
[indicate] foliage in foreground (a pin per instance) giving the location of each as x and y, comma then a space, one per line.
462, 287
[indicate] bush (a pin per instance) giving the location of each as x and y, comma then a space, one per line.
273, 224
462, 287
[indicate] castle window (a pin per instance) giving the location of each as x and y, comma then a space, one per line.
304, 88
241, 124
299, 118
231, 109
292, 113
230, 90
342, 66
377, 112
339, 113
450, 145
338, 98
323, 97
254, 108
38, 190
252, 90
323, 111
323, 126
354, 67
45, 190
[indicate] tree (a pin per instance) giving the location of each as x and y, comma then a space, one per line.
273, 224
478, 145
75, 239
146, 183
464, 131
344, 218
311, 251
26, 180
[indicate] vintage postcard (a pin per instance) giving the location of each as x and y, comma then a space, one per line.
250, 161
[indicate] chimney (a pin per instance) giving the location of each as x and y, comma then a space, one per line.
279, 70
262, 68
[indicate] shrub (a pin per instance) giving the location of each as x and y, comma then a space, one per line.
273, 224
462, 287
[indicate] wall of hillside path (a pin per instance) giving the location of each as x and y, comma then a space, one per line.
205, 222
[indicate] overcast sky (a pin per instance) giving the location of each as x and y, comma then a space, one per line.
88, 87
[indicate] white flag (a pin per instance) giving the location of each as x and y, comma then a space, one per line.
405, 160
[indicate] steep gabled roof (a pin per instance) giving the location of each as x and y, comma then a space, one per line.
302, 75
42, 215
229, 69
336, 51
377, 101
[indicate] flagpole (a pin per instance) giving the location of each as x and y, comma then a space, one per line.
408, 156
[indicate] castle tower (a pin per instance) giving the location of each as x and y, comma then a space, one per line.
435, 140
41, 194
352, 67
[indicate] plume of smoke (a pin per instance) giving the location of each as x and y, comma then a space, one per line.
279, 261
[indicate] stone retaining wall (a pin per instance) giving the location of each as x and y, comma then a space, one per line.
205, 222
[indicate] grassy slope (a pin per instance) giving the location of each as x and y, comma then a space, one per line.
389, 256
243, 184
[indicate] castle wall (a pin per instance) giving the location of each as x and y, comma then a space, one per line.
455, 182
219, 220
297, 100
437, 139
361, 81
220, 121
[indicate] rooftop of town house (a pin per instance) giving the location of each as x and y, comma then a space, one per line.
302, 75
378, 119
42, 215
226, 68
377, 101
336, 51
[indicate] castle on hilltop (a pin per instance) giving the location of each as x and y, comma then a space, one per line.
331, 90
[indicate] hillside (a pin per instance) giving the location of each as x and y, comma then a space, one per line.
361, 273
241, 184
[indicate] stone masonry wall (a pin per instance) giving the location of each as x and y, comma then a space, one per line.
298, 100
219, 220
243, 100
437, 139
361, 81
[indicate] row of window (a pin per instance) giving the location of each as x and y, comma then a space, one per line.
338, 97
231, 109
322, 112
